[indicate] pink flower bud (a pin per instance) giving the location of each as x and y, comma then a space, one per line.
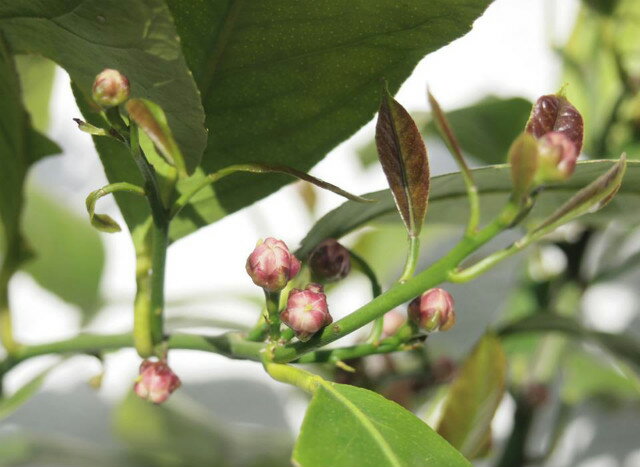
156, 381
330, 261
110, 88
271, 265
307, 311
433, 310
557, 157
391, 323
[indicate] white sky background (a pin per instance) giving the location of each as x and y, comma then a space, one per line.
506, 54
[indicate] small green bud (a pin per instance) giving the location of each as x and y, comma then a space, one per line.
110, 88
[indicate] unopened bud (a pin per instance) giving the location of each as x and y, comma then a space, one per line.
271, 265
330, 261
156, 381
557, 157
110, 88
307, 311
433, 310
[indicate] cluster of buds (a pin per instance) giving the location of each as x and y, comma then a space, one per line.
433, 311
307, 311
329, 261
156, 381
558, 128
271, 265
110, 88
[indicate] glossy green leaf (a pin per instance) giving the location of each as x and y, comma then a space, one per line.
283, 83
403, 156
346, 426
484, 129
36, 77
448, 201
10, 404
152, 120
68, 254
138, 39
474, 397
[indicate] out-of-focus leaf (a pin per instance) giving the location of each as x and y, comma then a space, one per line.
624, 346
523, 158
10, 404
474, 397
555, 113
587, 376
593, 197
484, 129
36, 77
69, 255
448, 201
283, 83
346, 426
152, 120
403, 156
164, 435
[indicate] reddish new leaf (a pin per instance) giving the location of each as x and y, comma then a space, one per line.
555, 113
403, 156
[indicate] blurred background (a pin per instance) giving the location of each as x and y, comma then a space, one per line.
228, 412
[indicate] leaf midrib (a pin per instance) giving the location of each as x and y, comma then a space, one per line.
366, 423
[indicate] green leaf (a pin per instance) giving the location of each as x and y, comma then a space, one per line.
152, 120
283, 83
346, 426
593, 197
474, 397
11, 403
403, 156
448, 201
36, 79
138, 39
68, 256
484, 129
164, 435
587, 376
626, 347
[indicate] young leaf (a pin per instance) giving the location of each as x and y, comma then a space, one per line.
555, 113
446, 132
151, 119
104, 222
474, 397
523, 157
448, 201
346, 426
591, 198
403, 156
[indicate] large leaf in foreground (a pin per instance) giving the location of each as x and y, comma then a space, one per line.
346, 426
448, 201
474, 397
283, 83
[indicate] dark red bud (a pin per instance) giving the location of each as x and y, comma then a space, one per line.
330, 261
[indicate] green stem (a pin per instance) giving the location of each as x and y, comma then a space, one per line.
259, 331
288, 374
376, 289
412, 259
6, 326
272, 317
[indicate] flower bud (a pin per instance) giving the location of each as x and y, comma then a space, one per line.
110, 88
330, 261
433, 310
557, 157
271, 265
307, 311
391, 323
156, 381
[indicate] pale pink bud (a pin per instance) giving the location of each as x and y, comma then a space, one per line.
433, 310
110, 88
156, 381
391, 323
307, 311
557, 157
271, 265
330, 261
